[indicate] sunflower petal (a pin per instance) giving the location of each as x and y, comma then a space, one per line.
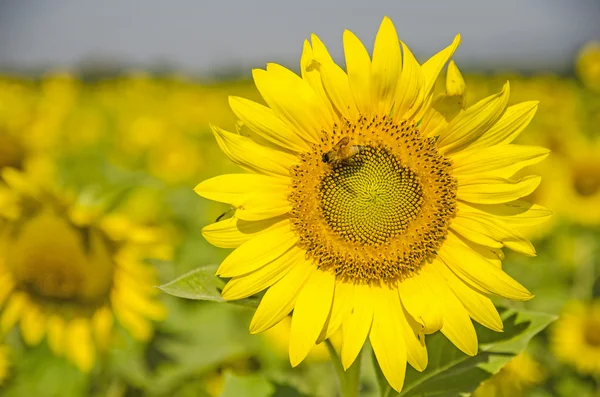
416, 298
252, 156
251, 283
470, 124
339, 309
358, 65
264, 122
253, 254
499, 160
473, 268
495, 190
386, 336
385, 67
312, 75
357, 323
311, 310
280, 298
233, 232
410, 83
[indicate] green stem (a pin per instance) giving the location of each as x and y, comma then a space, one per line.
349, 379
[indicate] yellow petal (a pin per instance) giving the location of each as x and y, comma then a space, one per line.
511, 124
310, 313
251, 283
515, 213
474, 226
499, 160
57, 335
457, 326
409, 93
434, 65
357, 323
470, 124
474, 269
387, 337
358, 66
280, 298
102, 323
293, 100
258, 251
463, 227
132, 321
12, 311
385, 67
233, 232
33, 325
6, 287
335, 81
480, 307
433, 122
253, 157
341, 305
81, 349
495, 190
312, 75
255, 196
264, 122
455, 83
416, 297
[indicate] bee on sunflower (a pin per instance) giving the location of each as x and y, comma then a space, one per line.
372, 206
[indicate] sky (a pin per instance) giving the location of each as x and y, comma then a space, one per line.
209, 37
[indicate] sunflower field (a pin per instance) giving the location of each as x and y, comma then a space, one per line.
108, 256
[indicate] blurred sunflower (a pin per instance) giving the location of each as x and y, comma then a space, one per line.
4, 364
67, 272
588, 65
519, 374
577, 175
370, 206
575, 337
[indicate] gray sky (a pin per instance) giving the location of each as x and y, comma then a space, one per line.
199, 36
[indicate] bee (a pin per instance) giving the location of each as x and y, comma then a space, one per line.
342, 152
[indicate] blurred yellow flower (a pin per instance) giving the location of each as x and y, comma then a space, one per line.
4, 363
368, 208
588, 65
513, 379
575, 337
66, 273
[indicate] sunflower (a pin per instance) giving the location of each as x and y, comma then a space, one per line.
372, 206
66, 272
575, 337
521, 373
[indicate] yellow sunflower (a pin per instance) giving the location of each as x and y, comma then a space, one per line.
4, 363
371, 206
66, 273
521, 373
575, 337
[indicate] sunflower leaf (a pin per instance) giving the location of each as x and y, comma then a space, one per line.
202, 284
199, 284
452, 373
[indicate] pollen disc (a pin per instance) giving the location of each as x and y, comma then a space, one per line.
376, 213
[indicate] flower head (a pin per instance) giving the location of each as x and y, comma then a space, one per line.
371, 205
576, 336
66, 273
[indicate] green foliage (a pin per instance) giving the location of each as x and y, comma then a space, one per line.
247, 386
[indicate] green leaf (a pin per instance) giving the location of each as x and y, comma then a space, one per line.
451, 373
247, 386
200, 284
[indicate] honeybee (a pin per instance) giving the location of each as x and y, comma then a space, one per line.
342, 152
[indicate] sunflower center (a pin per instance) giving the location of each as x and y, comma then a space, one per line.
55, 262
373, 201
370, 197
592, 333
587, 180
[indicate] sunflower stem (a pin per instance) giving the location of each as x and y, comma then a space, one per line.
349, 379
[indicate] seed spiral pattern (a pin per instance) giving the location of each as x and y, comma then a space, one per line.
378, 214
